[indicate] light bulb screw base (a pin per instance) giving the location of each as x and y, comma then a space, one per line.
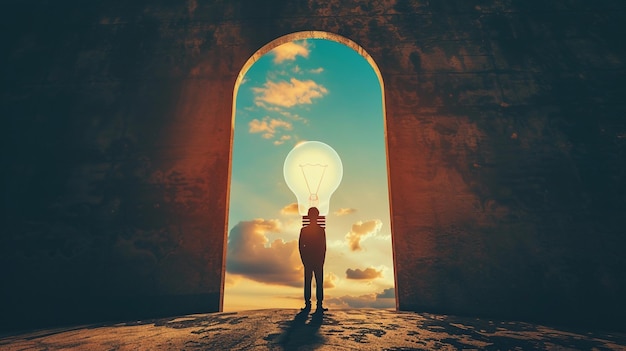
321, 220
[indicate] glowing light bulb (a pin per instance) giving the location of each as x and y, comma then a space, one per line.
313, 171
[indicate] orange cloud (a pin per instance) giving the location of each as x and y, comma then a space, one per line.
360, 231
268, 126
366, 274
294, 116
289, 51
329, 280
317, 70
291, 209
344, 211
250, 254
288, 94
282, 139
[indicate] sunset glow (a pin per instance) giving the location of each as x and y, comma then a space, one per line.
308, 90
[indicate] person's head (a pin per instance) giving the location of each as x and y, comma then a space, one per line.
313, 213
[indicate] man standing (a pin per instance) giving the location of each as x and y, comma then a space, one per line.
313, 253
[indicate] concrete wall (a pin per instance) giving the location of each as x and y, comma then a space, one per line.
506, 135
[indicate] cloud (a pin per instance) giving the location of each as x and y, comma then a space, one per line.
268, 126
360, 231
329, 280
369, 300
265, 106
366, 274
387, 294
298, 70
282, 140
294, 116
289, 51
291, 209
280, 110
344, 211
231, 280
251, 255
288, 94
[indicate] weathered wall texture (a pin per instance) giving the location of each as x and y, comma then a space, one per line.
506, 130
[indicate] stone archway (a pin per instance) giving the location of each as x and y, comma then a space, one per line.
503, 150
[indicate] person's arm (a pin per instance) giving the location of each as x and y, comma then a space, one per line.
324, 242
301, 245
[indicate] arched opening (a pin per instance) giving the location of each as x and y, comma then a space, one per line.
293, 102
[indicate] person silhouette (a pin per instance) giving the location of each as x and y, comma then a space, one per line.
312, 245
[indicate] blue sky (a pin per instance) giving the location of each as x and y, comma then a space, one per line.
300, 91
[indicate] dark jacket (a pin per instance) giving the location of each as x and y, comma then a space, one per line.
312, 245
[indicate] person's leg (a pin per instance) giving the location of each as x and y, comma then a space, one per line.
308, 275
319, 282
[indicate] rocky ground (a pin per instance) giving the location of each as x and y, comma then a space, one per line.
284, 329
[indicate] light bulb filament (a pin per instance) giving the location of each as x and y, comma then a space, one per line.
313, 197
